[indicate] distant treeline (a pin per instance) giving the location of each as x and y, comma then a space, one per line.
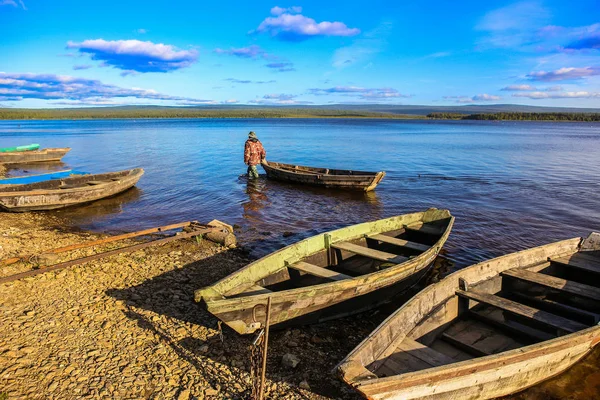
520, 116
271, 112
142, 113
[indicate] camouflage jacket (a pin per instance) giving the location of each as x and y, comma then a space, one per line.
254, 152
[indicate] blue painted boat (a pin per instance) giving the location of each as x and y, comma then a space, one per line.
21, 180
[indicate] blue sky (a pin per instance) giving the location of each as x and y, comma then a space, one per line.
81, 53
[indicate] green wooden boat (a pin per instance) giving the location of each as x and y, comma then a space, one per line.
332, 274
28, 147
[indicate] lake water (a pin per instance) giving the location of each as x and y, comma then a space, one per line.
510, 185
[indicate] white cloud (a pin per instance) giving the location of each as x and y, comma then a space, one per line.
287, 24
135, 55
562, 74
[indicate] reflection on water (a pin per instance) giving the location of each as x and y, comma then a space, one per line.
13, 170
271, 205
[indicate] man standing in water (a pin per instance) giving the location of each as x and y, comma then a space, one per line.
254, 154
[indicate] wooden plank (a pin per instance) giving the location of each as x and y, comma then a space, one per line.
553, 282
319, 271
580, 263
425, 353
497, 320
400, 242
466, 347
513, 307
370, 253
555, 306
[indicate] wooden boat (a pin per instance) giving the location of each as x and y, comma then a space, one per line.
488, 330
330, 275
32, 156
330, 178
27, 147
66, 192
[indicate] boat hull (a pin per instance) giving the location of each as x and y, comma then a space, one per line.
486, 377
42, 199
348, 180
319, 302
33, 156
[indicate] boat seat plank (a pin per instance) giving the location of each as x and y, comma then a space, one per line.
424, 353
513, 307
318, 271
553, 282
495, 317
400, 242
370, 253
582, 263
556, 307
69, 186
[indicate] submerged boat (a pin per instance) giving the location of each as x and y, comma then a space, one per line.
28, 147
31, 156
330, 178
488, 330
60, 193
330, 275
21, 180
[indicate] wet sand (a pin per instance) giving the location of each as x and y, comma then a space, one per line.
127, 327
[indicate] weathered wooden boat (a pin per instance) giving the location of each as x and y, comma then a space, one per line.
66, 192
330, 178
27, 147
32, 156
488, 330
330, 275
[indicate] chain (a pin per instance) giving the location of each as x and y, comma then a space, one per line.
256, 355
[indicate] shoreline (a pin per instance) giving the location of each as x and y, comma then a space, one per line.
127, 326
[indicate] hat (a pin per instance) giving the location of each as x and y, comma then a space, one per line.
252, 135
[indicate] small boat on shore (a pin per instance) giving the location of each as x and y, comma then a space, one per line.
489, 330
331, 275
329, 178
28, 147
33, 156
60, 193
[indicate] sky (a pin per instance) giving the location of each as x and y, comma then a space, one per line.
73, 53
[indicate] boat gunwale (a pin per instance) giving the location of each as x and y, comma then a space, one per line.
377, 277
459, 368
360, 174
39, 192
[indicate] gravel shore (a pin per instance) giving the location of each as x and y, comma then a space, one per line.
127, 327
